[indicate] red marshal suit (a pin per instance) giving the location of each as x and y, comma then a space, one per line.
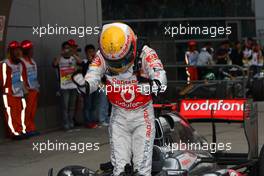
12, 94
32, 85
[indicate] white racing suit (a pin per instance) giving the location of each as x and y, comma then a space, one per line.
132, 128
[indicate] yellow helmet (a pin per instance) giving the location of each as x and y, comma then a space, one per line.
118, 46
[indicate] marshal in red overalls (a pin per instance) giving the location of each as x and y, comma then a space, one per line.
31, 83
12, 92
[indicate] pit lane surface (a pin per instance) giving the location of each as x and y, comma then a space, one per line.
18, 157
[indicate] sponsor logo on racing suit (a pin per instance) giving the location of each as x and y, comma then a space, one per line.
127, 97
148, 124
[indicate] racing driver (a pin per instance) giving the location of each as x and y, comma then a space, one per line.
133, 74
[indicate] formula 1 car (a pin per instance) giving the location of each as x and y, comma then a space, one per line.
171, 156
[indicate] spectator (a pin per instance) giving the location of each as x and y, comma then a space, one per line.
256, 62
247, 53
66, 64
191, 57
30, 76
103, 105
204, 59
236, 55
222, 54
79, 102
205, 55
89, 107
74, 46
90, 53
97, 101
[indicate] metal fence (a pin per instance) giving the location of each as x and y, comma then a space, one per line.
230, 81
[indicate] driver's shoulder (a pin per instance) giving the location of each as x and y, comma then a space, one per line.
147, 51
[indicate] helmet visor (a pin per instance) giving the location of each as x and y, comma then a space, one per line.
123, 62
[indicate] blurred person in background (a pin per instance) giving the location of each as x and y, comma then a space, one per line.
222, 54
89, 53
30, 77
222, 57
66, 65
191, 57
236, 55
247, 52
103, 105
79, 100
74, 46
12, 91
205, 59
90, 101
256, 63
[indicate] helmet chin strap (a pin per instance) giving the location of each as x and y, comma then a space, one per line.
114, 71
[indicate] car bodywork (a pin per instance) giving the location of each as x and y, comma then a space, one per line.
214, 111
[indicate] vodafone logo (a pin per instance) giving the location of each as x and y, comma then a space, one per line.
218, 109
216, 106
128, 95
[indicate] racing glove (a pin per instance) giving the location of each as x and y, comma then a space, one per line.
83, 86
156, 87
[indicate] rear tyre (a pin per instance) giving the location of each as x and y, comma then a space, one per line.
258, 89
75, 170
